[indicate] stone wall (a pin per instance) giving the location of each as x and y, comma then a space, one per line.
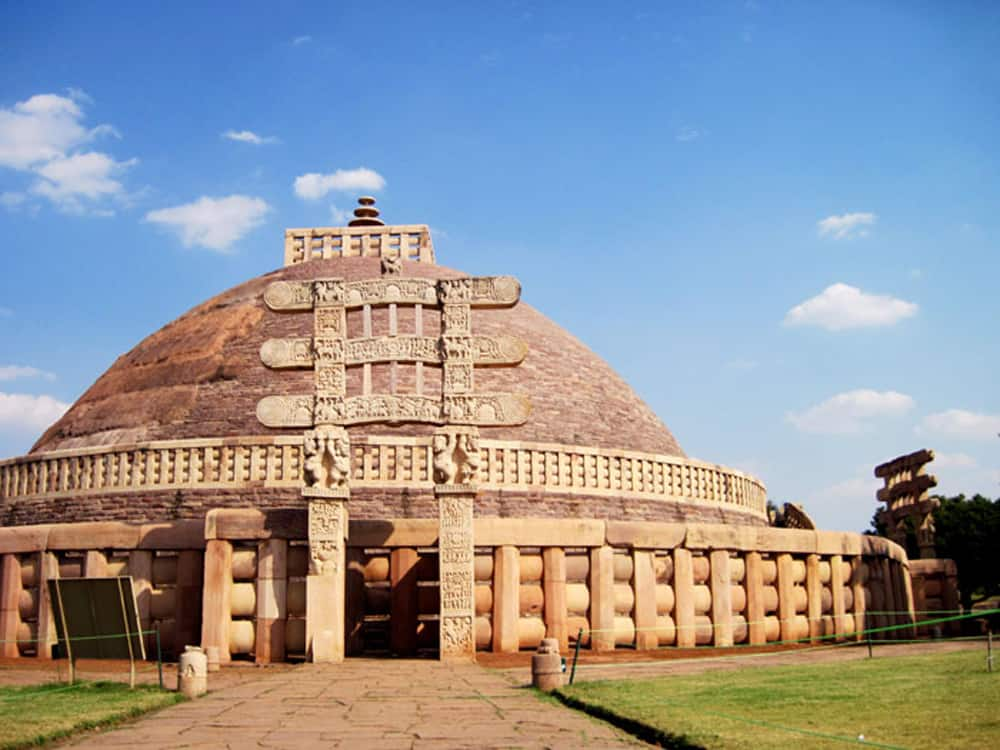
237, 580
624, 584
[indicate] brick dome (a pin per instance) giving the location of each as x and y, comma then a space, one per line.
201, 376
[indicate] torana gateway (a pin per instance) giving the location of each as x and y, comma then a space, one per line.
366, 452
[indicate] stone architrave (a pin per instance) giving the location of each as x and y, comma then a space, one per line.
456, 466
330, 352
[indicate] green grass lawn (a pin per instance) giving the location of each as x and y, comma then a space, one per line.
35, 714
935, 701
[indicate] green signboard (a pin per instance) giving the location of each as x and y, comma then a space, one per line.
96, 618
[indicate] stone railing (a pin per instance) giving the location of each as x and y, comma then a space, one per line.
377, 461
626, 584
406, 241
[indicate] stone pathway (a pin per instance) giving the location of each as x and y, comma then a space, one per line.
366, 703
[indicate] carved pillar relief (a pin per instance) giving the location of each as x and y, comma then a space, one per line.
456, 468
327, 530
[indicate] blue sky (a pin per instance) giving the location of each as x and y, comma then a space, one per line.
778, 221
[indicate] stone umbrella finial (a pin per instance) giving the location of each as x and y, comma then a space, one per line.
366, 215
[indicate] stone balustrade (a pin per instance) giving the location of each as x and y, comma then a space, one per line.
406, 241
377, 461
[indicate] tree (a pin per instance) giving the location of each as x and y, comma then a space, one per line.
968, 532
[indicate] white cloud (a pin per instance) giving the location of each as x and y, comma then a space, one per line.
304, 39
313, 186
20, 411
92, 176
959, 423
840, 306
215, 223
10, 372
38, 129
846, 226
248, 136
43, 136
850, 412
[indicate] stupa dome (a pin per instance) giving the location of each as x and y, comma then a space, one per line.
210, 411
201, 376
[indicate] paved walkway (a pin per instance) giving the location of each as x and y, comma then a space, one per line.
365, 703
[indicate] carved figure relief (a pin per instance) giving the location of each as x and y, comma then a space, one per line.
324, 557
445, 467
456, 456
387, 408
326, 536
392, 264
329, 321
278, 353
391, 289
329, 349
327, 292
480, 290
457, 377
456, 319
455, 558
327, 461
457, 636
289, 295
302, 352
331, 379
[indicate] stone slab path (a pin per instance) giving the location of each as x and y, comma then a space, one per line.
366, 703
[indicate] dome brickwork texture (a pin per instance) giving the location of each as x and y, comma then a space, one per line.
202, 375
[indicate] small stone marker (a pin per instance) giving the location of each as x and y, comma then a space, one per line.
546, 666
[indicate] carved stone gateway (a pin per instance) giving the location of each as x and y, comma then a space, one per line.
905, 495
329, 408
456, 468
